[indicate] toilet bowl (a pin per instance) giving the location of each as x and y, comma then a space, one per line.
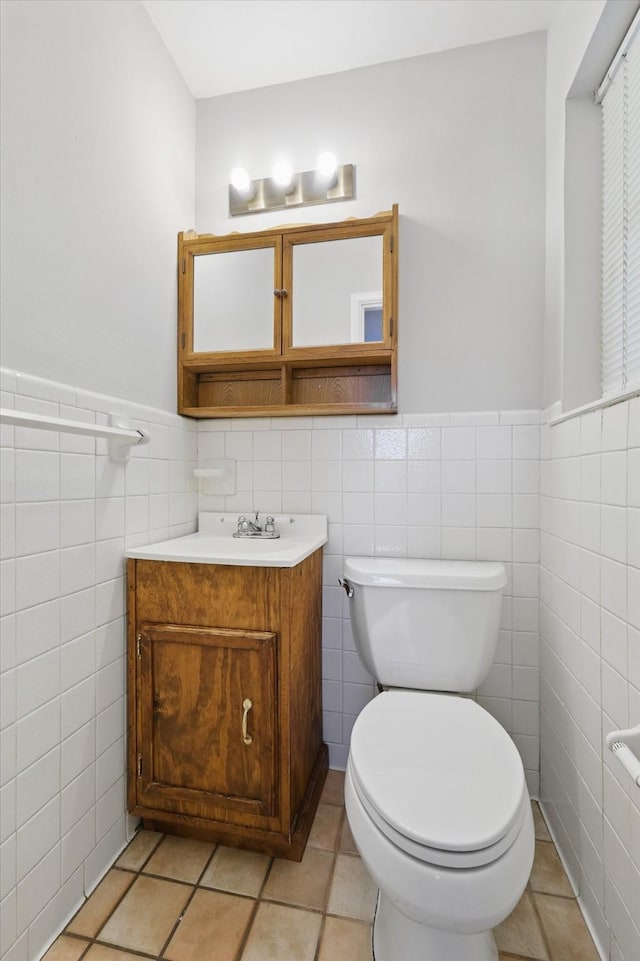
438, 808
435, 791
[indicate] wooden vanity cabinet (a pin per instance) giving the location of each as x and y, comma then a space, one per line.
225, 701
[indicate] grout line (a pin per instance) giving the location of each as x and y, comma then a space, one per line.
538, 918
257, 900
320, 937
122, 949
77, 937
267, 875
206, 866
245, 937
178, 922
336, 849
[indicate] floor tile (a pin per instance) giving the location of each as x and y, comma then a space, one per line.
182, 859
304, 883
280, 933
213, 927
65, 949
344, 940
333, 791
237, 871
347, 844
100, 952
548, 875
132, 916
97, 908
565, 929
145, 917
539, 823
326, 827
139, 849
521, 933
353, 893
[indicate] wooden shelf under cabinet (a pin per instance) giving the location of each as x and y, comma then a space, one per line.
206, 641
287, 390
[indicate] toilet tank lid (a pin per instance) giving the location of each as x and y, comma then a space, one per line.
425, 572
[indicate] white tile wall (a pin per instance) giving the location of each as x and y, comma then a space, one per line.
590, 660
433, 485
444, 485
68, 513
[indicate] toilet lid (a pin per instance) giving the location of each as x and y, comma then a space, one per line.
439, 771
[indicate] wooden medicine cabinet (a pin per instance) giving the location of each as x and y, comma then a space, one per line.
292, 320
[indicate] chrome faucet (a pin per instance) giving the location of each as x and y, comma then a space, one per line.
252, 528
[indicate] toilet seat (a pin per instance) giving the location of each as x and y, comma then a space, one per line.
439, 777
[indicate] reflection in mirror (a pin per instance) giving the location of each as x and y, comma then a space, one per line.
337, 288
233, 300
366, 316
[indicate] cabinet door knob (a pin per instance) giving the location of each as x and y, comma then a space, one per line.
246, 707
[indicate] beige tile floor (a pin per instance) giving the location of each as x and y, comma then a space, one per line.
180, 900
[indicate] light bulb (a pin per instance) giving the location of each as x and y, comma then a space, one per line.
241, 180
282, 174
327, 165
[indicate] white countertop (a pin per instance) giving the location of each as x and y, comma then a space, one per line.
300, 536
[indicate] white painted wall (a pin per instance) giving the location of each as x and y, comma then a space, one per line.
97, 179
581, 43
457, 140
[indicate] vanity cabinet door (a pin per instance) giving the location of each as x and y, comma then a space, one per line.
206, 701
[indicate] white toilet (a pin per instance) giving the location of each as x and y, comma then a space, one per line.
435, 791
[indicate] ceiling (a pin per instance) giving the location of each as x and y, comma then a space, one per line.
224, 46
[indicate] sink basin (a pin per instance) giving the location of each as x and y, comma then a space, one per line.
300, 536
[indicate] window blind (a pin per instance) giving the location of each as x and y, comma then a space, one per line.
621, 225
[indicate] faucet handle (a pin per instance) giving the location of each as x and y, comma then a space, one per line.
243, 523
269, 526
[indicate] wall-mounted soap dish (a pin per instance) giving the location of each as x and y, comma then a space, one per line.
216, 477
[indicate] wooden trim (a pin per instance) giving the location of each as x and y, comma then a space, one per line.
381, 217
365, 370
291, 410
224, 376
344, 355
132, 699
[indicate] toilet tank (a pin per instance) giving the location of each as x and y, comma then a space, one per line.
427, 625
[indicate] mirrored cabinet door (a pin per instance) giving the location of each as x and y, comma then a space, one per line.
233, 300
228, 306
337, 295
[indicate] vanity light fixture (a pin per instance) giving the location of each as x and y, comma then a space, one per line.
282, 176
241, 183
327, 169
327, 183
